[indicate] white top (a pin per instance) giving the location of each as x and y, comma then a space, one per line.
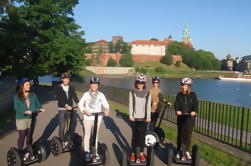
84, 104
66, 89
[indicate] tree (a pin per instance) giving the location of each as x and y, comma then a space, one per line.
167, 59
44, 34
126, 60
154, 39
119, 47
111, 62
178, 63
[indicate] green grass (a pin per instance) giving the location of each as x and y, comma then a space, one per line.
210, 154
177, 72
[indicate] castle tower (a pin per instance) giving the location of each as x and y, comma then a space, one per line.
186, 37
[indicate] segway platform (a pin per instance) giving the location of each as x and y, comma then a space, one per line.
132, 163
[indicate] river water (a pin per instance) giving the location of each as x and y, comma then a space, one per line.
228, 92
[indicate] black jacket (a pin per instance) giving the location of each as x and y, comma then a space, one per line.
186, 103
62, 98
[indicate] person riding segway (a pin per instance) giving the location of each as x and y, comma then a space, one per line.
27, 106
139, 114
90, 105
67, 138
186, 107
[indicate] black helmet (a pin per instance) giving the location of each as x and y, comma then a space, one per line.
156, 78
94, 80
65, 75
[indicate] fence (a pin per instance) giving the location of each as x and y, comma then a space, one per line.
226, 123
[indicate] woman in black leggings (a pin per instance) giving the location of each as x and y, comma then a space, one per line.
186, 102
140, 115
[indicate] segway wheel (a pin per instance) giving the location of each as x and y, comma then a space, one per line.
103, 152
195, 156
160, 132
169, 154
13, 157
124, 159
40, 151
56, 146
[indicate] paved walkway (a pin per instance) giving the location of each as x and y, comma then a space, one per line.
115, 132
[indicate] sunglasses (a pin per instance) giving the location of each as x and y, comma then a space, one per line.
156, 82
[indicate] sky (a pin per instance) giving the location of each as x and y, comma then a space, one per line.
220, 26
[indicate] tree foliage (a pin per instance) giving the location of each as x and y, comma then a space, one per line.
41, 37
111, 62
119, 47
198, 59
126, 60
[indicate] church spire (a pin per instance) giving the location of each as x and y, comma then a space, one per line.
186, 36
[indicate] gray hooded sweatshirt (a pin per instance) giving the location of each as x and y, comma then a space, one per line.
140, 104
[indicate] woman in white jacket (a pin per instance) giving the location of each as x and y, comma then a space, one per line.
92, 101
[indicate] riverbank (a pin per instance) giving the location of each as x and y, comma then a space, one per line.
156, 68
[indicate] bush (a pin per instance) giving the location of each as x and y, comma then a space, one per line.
126, 60
178, 63
111, 62
159, 70
141, 70
167, 59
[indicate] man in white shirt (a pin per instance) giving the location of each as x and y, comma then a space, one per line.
92, 101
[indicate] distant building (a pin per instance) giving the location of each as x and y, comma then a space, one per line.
186, 37
237, 64
230, 65
147, 50
116, 38
100, 46
176, 58
246, 64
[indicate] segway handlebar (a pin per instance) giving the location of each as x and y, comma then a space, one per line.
166, 102
186, 114
97, 113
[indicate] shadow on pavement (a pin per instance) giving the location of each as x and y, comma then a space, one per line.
122, 142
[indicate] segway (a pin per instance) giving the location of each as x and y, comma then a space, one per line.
159, 131
35, 152
172, 151
151, 139
69, 142
102, 148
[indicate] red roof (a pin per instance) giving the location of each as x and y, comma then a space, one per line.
148, 42
101, 41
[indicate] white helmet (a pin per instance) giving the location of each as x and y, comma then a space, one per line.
140, 78
186, 81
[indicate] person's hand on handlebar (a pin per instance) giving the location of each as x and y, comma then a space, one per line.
87, 112
148, 120
132, 119
179, 113
193, 113
28, 112
68, 107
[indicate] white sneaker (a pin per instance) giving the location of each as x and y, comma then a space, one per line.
26, 156
97, 156
178, 155
188, 156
